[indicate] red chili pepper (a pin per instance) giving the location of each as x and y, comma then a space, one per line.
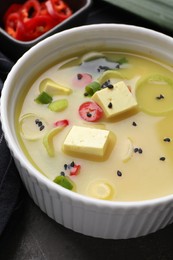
43, 9
58, 10
61, 123
14, 26
29, 10
33, 18
14, 8
75, 170
82, 79
90, 111
37, 26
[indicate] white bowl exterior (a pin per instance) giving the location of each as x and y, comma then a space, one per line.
105, 219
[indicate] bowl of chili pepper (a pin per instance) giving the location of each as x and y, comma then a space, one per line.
24, 23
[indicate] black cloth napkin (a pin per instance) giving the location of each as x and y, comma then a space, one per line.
10, 182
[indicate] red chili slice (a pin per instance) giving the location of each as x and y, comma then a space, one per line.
75, 170
38, 26
43, 9
14, 8
82, 79
63, 122
33, 18
14, 27
90, 111
30, 10
58, 10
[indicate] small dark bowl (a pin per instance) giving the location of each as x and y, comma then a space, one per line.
14, 48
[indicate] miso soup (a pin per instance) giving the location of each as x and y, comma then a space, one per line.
101, 124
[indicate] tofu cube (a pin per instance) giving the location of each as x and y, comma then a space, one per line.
115, 100
85, 140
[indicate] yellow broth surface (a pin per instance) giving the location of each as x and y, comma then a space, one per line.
138, 164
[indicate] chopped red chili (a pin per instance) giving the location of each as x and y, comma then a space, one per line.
26, 22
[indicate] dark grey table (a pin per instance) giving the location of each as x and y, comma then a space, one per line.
32, 235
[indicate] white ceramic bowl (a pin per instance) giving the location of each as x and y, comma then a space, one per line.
82, 214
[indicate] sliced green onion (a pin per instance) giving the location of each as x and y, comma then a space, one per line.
64, 182
48, 139
122, 60
110, 74
92, 88
92, 56
43, 98
58, 105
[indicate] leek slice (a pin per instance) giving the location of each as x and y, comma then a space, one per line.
100, 189
154, 94
108, 75
58, 105
48, 140
32, 127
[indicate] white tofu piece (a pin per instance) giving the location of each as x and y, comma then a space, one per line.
85, 140
116, 100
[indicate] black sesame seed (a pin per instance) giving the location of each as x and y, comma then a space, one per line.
79, 76
162, 158
110, 86
85, 94
72, 164
37, 121
105, 84
160, 97
167, 139
62, 173
89, 114
65, 166
42, 127
104, 68
140, 150
40, 123
119, 173
136, 150
110, 105
134, 124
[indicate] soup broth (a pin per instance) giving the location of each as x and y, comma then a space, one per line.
78, 132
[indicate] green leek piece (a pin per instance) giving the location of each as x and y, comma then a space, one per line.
122, 60
58, 105
110, 74
100, 189
43, 98
48, 140
92, 88
53, 88
64, 182
92, 56
154, 94
32, 127
156, 11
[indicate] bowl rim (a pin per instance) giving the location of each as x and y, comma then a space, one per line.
25, 162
